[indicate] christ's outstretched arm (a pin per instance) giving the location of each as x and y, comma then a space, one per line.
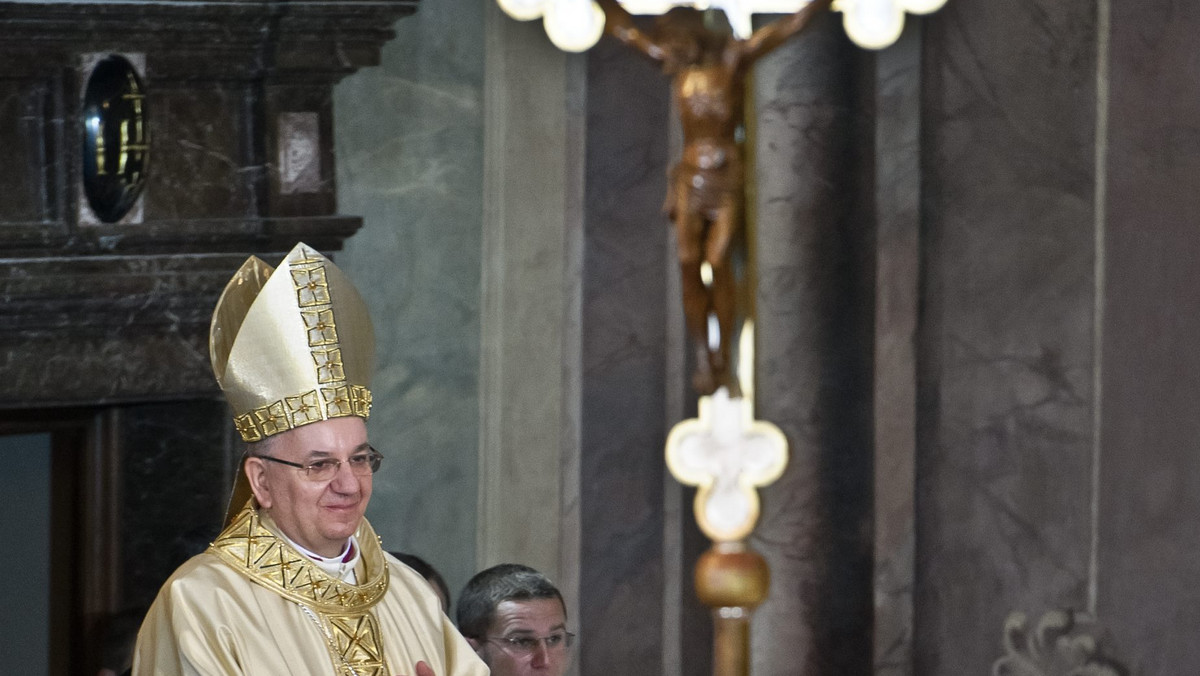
619, 24
777, 32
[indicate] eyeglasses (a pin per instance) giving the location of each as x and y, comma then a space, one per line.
325, 469
525, 646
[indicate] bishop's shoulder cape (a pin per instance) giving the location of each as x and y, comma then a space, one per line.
251, 604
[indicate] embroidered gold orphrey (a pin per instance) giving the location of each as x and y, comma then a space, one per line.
343, 610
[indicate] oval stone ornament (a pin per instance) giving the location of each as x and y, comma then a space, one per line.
115, 138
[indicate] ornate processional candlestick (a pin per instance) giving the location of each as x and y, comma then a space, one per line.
725, 452
728, 455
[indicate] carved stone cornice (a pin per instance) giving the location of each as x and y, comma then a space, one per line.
333, 38
235, 92
1063, 643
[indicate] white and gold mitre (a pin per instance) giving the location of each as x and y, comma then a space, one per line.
291, 345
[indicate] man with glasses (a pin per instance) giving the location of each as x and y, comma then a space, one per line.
298, 582
516, 620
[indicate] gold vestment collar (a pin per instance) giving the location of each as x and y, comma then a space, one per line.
251, 546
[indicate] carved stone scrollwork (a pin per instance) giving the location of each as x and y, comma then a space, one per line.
1064, 643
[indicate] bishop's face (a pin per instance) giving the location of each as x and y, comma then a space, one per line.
318, 515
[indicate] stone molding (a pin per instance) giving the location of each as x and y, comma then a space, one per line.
102, 313
1063, 643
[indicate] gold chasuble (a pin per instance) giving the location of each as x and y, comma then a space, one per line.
252, 604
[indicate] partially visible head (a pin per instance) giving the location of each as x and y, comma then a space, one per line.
318, 515
516, 620
427, 571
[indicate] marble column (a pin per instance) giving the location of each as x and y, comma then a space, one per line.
814, 357
1148, 475
530, 328
410, 162
897, 307
624, 353
1005, 442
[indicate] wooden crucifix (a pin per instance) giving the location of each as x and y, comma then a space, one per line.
706, 189
725, 452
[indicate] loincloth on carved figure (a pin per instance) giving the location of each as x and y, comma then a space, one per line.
703, 190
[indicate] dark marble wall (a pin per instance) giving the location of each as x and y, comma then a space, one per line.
814, 314
1006, 358
190, 447
1148, 493
897, 296
1057, 379
624, 352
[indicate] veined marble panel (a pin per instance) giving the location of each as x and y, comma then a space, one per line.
410, 162
897, 305
814, 358
1148, 546
1005, 450
624, 347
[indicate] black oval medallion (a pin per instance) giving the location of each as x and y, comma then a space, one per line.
116, 138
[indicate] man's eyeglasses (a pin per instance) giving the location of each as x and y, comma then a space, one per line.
325, 469
527, 645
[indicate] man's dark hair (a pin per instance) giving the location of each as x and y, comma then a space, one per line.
489, 588
427, 571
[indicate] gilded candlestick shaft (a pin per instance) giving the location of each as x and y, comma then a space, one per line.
732, 580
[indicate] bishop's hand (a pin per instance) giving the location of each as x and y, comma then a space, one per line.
423, 670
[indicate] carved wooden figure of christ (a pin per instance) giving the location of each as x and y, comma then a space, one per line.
707, 186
